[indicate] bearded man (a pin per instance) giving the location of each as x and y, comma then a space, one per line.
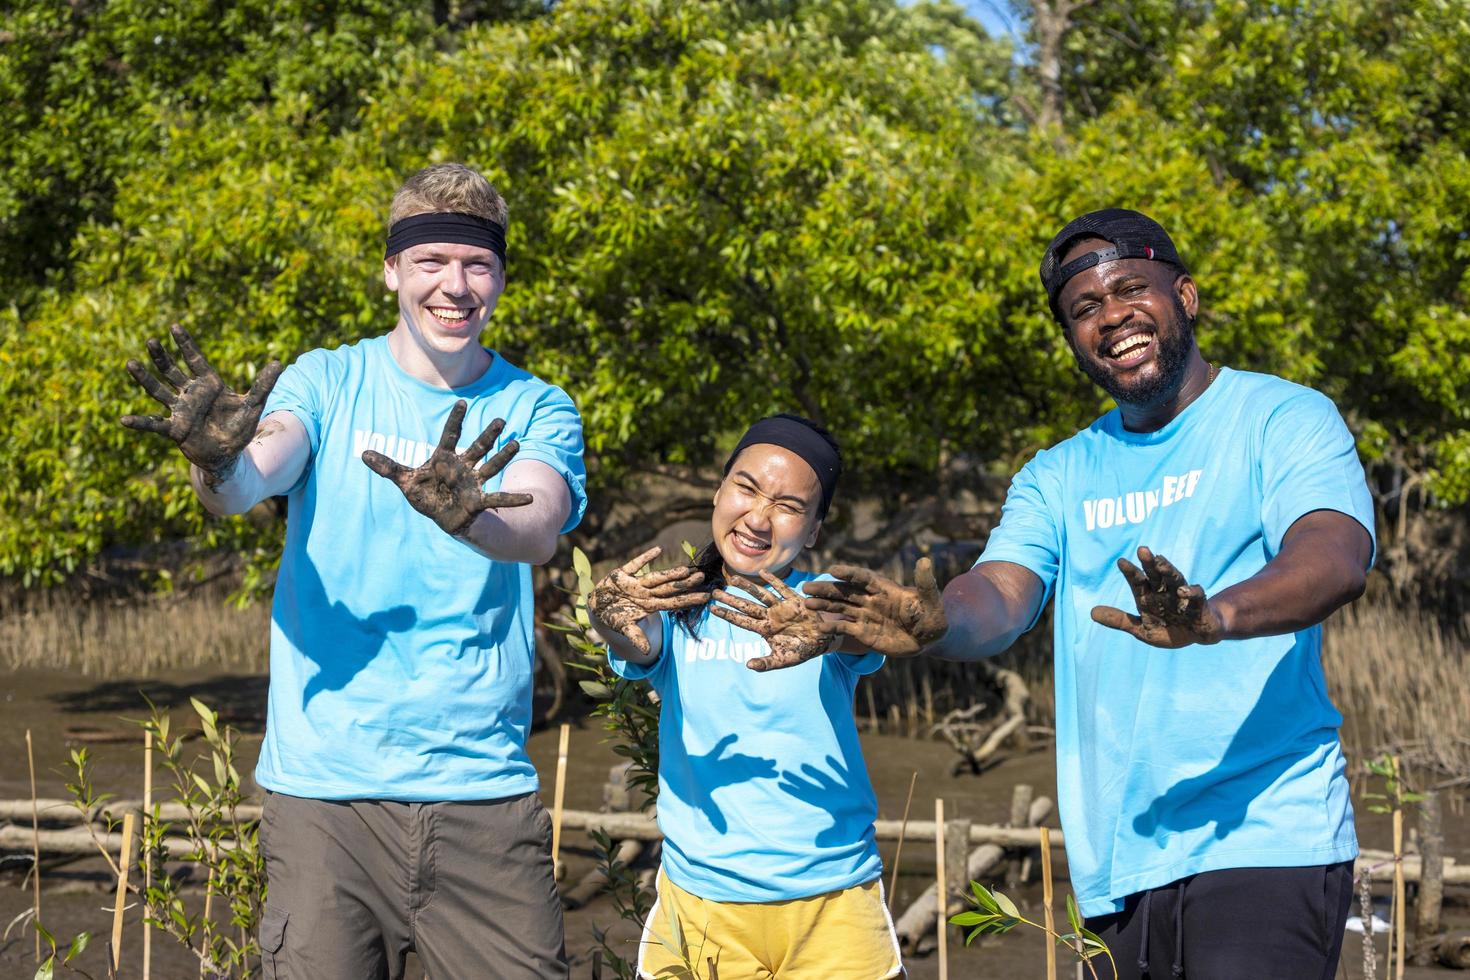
1201, 782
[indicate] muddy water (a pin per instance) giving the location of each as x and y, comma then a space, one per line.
66, 711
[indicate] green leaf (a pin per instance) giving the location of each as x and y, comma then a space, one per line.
596, 689
1007, 906
78, 945
1074, 917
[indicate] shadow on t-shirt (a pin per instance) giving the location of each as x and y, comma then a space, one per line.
1262, 753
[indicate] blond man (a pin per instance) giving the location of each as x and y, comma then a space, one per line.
401, 810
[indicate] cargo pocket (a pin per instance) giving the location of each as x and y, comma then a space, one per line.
272, 942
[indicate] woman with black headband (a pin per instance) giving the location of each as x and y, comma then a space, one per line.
770, 864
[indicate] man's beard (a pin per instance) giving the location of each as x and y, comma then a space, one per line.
1171, 359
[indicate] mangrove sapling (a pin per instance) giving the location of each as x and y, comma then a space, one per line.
211, 423
1392, 801
998, 914
75, 948
221, 841
634, 905
629, 711
449, 487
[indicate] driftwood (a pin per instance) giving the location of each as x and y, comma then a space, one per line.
63, 813
78, 841
1454, 950
978, 741
1431, 889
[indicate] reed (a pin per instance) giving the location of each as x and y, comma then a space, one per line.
133, 636
1401, 679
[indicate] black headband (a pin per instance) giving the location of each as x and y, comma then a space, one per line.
447, 226
806, 439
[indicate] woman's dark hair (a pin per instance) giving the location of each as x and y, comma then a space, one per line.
708, 561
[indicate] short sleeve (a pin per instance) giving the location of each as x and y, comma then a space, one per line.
1309, 462
300, 390
554, 437
1027, 533
653, 672
861, 664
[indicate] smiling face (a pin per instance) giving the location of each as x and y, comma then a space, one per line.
766, 511
1130, 324
446, 293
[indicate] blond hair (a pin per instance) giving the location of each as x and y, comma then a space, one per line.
448, 187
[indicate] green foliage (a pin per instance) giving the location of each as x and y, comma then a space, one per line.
219, 840
1395, 790
720, 209
629, 710
996, 913
629, 899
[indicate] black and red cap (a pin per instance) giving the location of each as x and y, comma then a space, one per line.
1131, 235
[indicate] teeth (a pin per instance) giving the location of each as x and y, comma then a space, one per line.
446, 313
1124, 346
750, 542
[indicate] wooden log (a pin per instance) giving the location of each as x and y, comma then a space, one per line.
643, 827
61, 812
1454, 950
1380, 865
1431, 884
79, 842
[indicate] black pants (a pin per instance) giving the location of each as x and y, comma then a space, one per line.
1260, 923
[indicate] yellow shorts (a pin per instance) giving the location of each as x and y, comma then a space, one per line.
842, 935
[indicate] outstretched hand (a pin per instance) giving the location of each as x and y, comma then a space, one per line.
879, 613
210, 423
1171, 612
448, 488
623, 598
794, 633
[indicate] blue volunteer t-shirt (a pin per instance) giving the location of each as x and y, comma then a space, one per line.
1174, 762
401, 658
763, 792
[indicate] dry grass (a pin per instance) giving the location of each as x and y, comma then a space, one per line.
134, 637
1402, 681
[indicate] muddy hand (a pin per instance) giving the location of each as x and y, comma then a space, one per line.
1171, 612
794, 633
449, 488
211, 423
879, 613
623, 598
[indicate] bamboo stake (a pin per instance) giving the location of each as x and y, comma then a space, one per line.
902, 829
147, 855
941, 892
122, 890
35, 844
1398, 892
561, 785
1051, 926
206, 942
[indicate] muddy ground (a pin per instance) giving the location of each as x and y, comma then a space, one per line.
59, 708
